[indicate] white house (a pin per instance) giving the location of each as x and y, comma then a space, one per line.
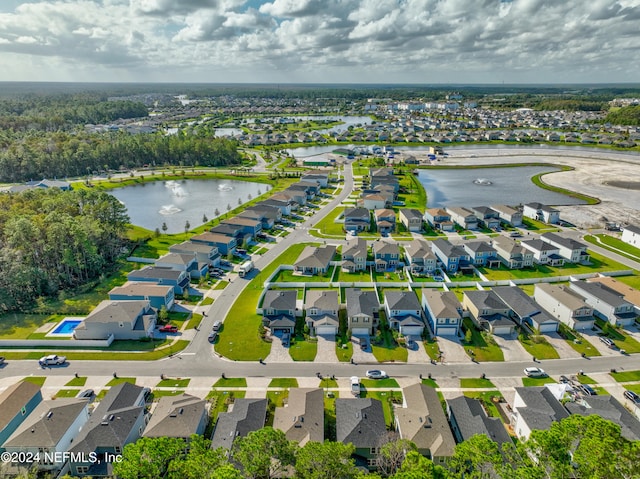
565, 305
535, 408
607, 303
571, 250
540, 212
631, 235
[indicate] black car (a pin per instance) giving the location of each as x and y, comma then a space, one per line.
631, 396
212, 336
86, 394
564, 379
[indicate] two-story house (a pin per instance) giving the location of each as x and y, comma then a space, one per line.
120, 319
443, 311
439, 219
463, 217
411, 219
420, 258
363, 310
487, 217
178, 280
278, 311
361, 422
508, 214
225, 244
565, 305
535, 408
354, 255
249, 226
607, 303
571, 250
16, 403
247, 415
453, 258
204, 254
178, 416
540, 212
543, 252
158, 295
321, 308
302, 419
512, 254
468, 418
183, 262
482, 254
356, 219
525, 310
385, 220
386, 255
404, 313
488, 311
631, 235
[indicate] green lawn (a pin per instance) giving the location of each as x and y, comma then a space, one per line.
476, 383
538, 346
67, 393
173, 383
388, 349
330, 416
231, 383
526, 381
158, 393
221, 285
79, 381
534, 225
487, 398
206, 301
328, 225
220, 401
283, 383
38, 380
357, 277
432, 348
626, 376
301, 350
430, 382
616, 245
384, 397
344, 353
584, 379
577, 341
288, 276
621, 339
482, 344
116, 381
379, 383
328, 383
633, 281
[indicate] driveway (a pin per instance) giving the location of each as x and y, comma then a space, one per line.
360, 355
279, 353
594, 340
326, 349
417, 353
512, 348
560, 345
452, 350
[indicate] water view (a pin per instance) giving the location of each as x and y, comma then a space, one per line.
175, 202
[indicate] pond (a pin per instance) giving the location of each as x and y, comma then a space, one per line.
489, 186
175, 202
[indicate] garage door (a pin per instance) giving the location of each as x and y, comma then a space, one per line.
326, 330
548, 328
502, 330
411, 330
447, 331
360, 331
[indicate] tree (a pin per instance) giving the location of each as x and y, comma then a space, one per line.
148, 458
324, 460
264, 453
187, 226
164, 227
156, 232
416, 466
475, 458
392, 454
216, 212
204, 218
468, 336
201, 462
163, 314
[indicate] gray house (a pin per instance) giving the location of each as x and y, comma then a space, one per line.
315, 259
120, 319
361, 423
609, 408
487, 217
404, 312
525, 310
204, 254
420, 258
179, 280
363, 310
278, 311
443, 311
543, 252
247, 415
158, 295
354, 255
512, 254
535, 408
571, 250
302, 419
322, 312
356, 219
482, 254
464, 217
468, 418
607, 303
488, 311
386, 255
178, 416
411, 219
16, 403
508, 214
565, 305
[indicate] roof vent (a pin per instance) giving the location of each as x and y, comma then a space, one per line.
49, 414
181, 410
111, 417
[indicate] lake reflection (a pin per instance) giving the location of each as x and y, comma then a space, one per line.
175, 202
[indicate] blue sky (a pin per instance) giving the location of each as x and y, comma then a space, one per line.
332, 41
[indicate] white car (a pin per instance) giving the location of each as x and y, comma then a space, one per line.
534, 372
52, 360
376, 374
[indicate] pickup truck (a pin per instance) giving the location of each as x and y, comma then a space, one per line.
355, 386
52, 360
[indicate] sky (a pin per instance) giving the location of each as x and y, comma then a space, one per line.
321, 41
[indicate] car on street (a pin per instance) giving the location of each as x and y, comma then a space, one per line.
52, 360
632, 396
212, 336
168, 328
515, 234
86, 394
217, 325
533, 372
376, 374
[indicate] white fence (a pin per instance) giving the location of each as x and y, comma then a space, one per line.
57, 343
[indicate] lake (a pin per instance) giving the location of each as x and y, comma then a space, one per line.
175, 202
489, 186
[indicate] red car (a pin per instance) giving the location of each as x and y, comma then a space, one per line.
169, 328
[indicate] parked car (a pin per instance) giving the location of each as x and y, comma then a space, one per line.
52, 360
146, 392
376, 374
631, 396
564, 379
168, 328
588, 390
217, 325
86, 394
355, 386
533, 372
213, 336
607, 341
515, 234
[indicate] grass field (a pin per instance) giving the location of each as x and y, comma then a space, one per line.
538, 346
615, 244
476, 383
626, 376
379, 383
283, 383
67, 393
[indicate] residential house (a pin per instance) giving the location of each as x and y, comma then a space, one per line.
565, 305
354, 255
321, 309
282, 205
278, 311
420, 258
302, 419
482, 254
386, 255
120, 319
488, 311
321, 178
118, 420
356, 219
298, 195
508, 214
630, 294
453, 258
385, 220
267, 215
422, 421
204, 253
374, 201
411, 219
540, 212
609, 408
310, 189
234, 231
315, 260
571, 250
512, 254
178, 280
361, 422
158, 295
543, 252
525, 310
468, 418
535, 408
631, 235
178, 416
249, 226
607, 303
487, 217
439, 219
404, 312
443, 311
16, 403
247, 415
225, 244
463, 217
362, 311
183, 262
49, 430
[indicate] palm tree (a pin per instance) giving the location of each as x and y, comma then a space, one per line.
204, 218
164, 227
187, 226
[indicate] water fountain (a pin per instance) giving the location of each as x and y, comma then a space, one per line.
225, 187
176, 188
482, 182
167, 210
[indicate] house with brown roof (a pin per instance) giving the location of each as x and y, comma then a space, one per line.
16, 403
302, 418
354, 255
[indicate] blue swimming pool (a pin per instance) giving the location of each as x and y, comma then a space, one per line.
66, 326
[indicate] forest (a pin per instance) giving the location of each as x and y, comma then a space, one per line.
628, 115
52, 240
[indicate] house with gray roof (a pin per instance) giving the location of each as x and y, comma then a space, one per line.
564, 304
609, 408
607, 303
157, 294
463, 217
302, 418
512, 254
120, 319
363, 310
535, 408
356, 219
488, 311
16, 403
386, 255
508, 214
571, 250
225, 243
278, 310
267, 215
404, 312
482, 254
543, 252
50, 429
178, 416
468, 418
361, 422
118, 420
385, 220
354, 255
422, 421
411, 219
443, 311
452, 257
420, 258
179, 280
204, 253
525, 310
315, 260
631, 235
250, 226
487, 217
183, 262
540, 212
321, 309
247, 415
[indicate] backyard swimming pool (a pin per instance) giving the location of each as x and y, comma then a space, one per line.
65, 327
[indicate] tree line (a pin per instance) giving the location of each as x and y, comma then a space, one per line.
628, 115
53, 240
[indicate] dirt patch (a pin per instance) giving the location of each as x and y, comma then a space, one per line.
627, 185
